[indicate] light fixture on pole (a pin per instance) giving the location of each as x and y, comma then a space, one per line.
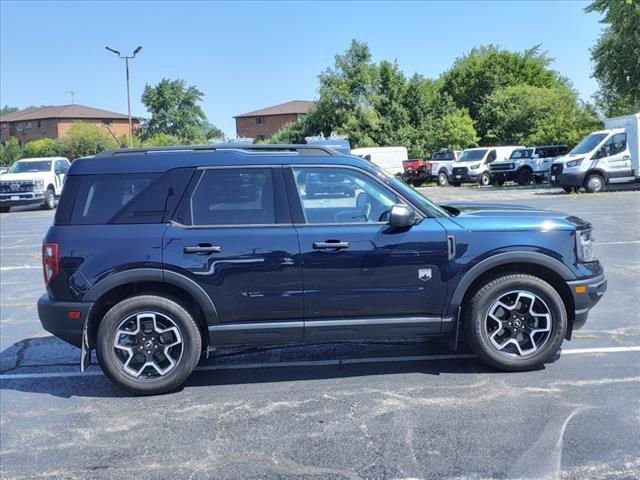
126, 62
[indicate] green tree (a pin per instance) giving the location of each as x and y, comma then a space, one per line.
7, 109
43, 147
616, 56
174, 110
85, 139
161, 140
11, 151
476, 75
211, 132
528, 115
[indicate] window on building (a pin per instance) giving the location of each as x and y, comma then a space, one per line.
259, 120
106, 122
39, 124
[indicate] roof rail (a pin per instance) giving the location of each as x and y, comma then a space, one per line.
317, 150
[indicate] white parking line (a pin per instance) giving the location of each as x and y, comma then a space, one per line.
629, 242
320, 363
19, 267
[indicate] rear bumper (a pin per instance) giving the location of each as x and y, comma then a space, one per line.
595, 287
54, 317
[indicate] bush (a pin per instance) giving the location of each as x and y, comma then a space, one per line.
10, 152
44, 147
85, 139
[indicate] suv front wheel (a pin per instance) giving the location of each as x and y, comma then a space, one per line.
148, 344
515, 322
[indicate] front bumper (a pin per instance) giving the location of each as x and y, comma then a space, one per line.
464, 177
591, 291
20, 198
567, 179
506, 175
54, 317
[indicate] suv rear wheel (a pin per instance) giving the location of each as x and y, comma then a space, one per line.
443, 180
515, 322
148, 344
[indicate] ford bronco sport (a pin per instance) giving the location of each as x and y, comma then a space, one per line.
156, 256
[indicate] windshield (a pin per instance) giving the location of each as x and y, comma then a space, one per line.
448, 155
471, 155
588, 143
21, 167
522, 153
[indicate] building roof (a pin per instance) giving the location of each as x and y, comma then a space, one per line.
61, 111
287, 108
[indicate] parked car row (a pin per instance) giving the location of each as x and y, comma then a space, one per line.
604, 157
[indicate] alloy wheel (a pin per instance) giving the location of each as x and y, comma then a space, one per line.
518, 323
148, 345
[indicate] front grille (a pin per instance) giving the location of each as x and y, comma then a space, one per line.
497, 167
17, 186
556, 168
460, 170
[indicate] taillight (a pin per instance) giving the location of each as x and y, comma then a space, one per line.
50, 261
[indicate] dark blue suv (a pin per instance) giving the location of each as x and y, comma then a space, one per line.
156, 256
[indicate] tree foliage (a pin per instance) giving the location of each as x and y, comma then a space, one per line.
85, 139
43, 147
530, 115
175, 110
10, 151
488, 96
616, 56
7, 109
160, 140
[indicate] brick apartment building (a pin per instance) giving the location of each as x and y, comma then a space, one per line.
54, 122
263, 123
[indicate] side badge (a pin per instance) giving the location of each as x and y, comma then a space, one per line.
424, 274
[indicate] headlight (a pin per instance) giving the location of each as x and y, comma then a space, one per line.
473, 167
585, 246
38, 184
574, 163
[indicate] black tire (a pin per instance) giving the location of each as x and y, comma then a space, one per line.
181, 318
568, 189
538, 180
443, 180
594, 183
485, 179
476, 310
524, 177
416, 183
49, 199
4, 209
499, 183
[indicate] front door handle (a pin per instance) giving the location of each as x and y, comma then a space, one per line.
330, 244
203, 248
626, 157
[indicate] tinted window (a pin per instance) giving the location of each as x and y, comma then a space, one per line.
100, 197
234, 196
471, 155
615, 144
522, 153
588, 143
61, 166
443, 155
341, 195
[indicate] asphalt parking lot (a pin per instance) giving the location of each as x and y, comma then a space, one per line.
374, 410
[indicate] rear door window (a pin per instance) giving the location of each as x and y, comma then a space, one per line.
234, 196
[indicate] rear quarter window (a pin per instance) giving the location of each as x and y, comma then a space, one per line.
122, 198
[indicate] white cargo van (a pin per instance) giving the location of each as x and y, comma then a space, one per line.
602, 157
388, 158
473, 164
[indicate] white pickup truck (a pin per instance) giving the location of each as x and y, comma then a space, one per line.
32, 181
526, 164
601, 158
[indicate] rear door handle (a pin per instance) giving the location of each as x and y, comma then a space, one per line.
203, 248
330, 244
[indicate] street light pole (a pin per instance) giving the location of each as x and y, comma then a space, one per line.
126, 62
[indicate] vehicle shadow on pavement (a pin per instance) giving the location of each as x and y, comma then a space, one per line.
220, 371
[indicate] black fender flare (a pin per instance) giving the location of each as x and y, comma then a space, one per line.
501, 259
156, 275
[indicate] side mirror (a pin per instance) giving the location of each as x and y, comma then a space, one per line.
401, 216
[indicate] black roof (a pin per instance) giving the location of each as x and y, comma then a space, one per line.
144, 160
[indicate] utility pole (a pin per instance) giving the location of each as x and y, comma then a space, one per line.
72, 93
126, 59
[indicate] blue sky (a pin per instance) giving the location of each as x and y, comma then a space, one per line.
246, 56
